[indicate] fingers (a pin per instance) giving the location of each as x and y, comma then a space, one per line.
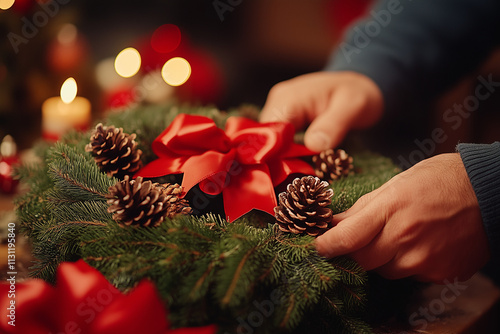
283, 104
333, 102
356, 229
329, 128
332, 113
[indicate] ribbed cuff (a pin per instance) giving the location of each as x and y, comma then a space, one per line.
482, 162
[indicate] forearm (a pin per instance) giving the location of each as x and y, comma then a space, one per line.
415, 49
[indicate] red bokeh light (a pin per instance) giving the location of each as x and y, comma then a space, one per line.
166, 38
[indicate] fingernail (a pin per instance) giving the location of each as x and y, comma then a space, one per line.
317, 141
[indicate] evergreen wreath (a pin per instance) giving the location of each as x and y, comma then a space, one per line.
243, 273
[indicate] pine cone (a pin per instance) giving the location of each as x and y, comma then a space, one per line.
114, 151
138, 202
332, 164
303, 208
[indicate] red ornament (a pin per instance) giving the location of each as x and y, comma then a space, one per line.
244, 163
8, 160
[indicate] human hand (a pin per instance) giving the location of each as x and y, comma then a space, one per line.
333, 102
424, 222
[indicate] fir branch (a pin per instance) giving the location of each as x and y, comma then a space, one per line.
285, 322
79, 211
236, 276
75, 175
65, 224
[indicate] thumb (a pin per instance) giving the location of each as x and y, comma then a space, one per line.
348, 236
357, 227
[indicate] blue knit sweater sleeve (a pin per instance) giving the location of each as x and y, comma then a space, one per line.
482, 163
414, 49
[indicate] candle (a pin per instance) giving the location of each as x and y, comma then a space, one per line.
60, 114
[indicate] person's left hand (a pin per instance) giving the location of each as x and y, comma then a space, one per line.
425, 222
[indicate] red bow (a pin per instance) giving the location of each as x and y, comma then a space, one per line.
245, 162
83, 301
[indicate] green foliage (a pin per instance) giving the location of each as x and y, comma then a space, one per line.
206, 269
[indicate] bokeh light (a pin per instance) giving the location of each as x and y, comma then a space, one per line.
67, 34
68, 90
166, 38
6, 4
105, 74
155, 89
176, 71
128, 62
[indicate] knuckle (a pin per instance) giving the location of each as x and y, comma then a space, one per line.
279, 89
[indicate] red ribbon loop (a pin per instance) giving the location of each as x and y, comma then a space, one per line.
83, 301
245, 162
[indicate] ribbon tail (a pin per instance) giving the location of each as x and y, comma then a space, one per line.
250, 187
161, 167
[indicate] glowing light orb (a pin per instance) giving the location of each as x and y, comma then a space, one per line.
176, 71
128, 62
6, 4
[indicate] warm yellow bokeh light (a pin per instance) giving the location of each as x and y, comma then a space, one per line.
128, 62
68, 90
176, 71
6, 4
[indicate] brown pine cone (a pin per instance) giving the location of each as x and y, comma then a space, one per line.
304, 207
114, 151
143, 203
332, 164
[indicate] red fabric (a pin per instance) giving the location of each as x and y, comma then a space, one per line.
245, 162
83, 301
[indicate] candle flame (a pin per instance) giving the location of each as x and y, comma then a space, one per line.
68, 90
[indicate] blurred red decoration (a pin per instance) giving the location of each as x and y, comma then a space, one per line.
8, 160
23, 6
119, 97
69, 55
342, 13
151, 60
83, 301
206, 83
166, 38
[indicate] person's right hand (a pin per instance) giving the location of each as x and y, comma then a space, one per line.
332, 102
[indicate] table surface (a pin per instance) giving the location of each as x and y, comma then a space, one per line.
469, 307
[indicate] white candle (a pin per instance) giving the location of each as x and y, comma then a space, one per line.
60, 114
